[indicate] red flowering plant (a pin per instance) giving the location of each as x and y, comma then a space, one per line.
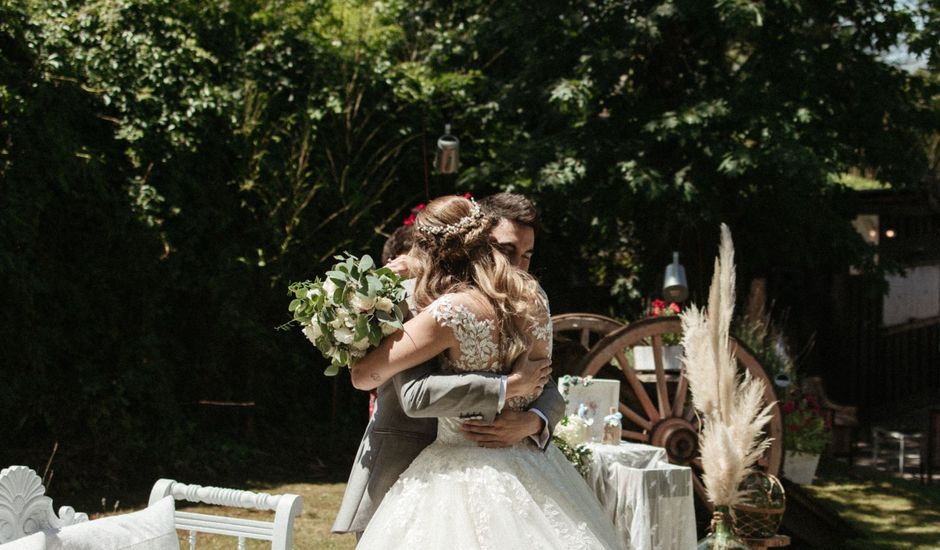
805, 427
412, 216
661, 309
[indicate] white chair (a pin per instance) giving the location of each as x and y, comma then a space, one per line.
24, 507
280, 532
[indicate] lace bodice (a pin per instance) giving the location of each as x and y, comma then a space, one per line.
479, 342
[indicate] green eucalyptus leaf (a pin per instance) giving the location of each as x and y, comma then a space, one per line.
375, 335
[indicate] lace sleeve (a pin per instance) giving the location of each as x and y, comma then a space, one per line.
478, 348
542, 329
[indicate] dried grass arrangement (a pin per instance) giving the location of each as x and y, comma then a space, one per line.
731, 405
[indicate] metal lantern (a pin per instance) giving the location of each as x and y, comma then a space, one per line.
447, 158
675, 286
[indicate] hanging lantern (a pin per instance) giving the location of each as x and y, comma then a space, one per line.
447, 158
675, 286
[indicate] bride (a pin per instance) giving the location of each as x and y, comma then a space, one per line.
478, 313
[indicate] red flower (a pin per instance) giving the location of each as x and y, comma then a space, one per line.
674, 307
789, 407
467, 196
412, 218
659, 304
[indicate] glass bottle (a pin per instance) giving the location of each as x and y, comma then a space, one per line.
722, 536
613, 427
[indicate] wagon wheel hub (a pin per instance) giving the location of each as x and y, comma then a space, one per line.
678, 437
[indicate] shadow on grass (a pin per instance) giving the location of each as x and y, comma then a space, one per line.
893, 513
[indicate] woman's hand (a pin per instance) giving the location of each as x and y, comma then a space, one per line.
403, 265
528, 376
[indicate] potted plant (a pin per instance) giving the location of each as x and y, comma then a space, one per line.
643, 359
805, 435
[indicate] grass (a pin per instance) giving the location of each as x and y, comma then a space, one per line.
892, 513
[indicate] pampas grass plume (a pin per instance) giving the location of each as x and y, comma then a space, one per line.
731, 406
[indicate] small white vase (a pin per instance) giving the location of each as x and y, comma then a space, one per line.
800, 468
643, 358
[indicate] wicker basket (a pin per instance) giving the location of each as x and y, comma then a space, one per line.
760, 511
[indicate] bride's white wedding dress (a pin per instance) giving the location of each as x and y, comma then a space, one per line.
458, 496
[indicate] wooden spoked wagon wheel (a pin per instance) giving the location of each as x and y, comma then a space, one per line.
656, 405
585, 325
575, 334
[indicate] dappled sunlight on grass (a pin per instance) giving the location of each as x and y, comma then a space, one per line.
893, 513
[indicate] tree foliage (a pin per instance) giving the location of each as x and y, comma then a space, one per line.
167, 167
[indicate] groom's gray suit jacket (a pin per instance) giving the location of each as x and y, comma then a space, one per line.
405, 422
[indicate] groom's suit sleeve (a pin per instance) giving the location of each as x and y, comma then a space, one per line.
426, 393
551, 407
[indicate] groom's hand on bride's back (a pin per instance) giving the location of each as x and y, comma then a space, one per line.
528, 376
508, 428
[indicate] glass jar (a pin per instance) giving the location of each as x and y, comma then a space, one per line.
613, 427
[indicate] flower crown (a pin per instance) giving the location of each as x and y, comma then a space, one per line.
470, 220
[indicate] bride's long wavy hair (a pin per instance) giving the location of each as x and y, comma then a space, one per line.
455, 253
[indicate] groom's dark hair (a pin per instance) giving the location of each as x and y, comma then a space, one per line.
513, 207
398, 243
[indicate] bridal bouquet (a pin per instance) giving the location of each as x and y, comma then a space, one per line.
350, 310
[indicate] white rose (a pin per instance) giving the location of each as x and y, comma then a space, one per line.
361, 344
329, 287
388, 329
342, 318
362, 303
312, 332
384, 304
343, 335
575, 432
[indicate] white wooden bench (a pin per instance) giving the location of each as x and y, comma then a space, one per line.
25, 509
280, 532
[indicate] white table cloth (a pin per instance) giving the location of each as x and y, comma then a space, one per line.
649, 500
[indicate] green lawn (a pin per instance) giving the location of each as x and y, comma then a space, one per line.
892, 513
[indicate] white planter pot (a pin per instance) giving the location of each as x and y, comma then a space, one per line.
799, 467
643, 358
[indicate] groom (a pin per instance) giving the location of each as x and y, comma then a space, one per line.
407, 407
